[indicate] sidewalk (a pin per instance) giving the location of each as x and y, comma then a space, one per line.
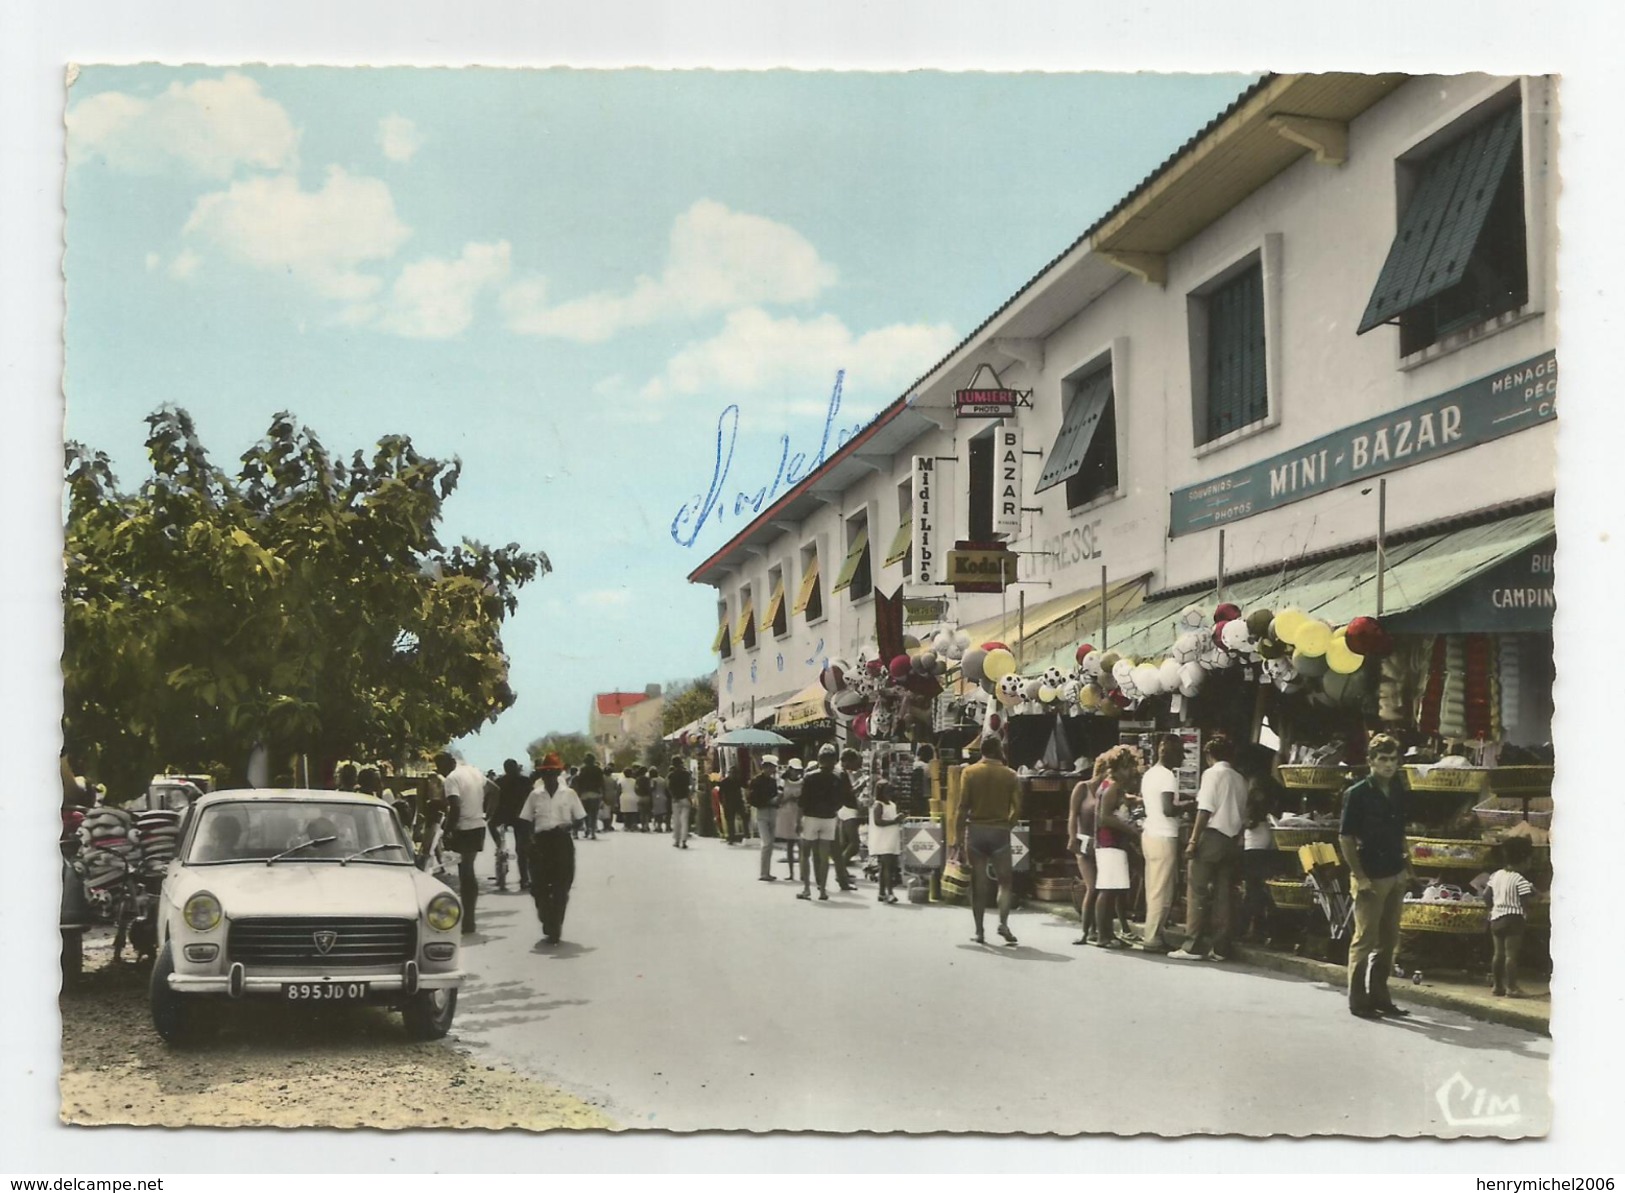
1452, 992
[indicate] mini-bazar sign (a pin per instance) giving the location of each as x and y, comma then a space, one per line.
1480, 411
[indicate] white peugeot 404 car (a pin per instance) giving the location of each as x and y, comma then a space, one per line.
311, 897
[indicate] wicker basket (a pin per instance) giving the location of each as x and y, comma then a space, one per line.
1433, 853
1313, 778
1291, 839
1053, 890
1521, 780
1502, 811
1285, 892
1460, 779
1462, 919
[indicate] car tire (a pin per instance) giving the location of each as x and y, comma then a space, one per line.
428, 1014
73, 955
173, 1019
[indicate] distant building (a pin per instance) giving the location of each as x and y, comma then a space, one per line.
621, 719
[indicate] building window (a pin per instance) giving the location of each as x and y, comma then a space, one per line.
1235, 369
979, 524
1459, 256
1084, 455
723, 642
777, 612
809, 600
902, 543
745, 634
854, 576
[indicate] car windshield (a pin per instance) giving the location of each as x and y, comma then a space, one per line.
259, 830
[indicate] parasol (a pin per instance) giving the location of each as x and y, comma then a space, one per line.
751, 737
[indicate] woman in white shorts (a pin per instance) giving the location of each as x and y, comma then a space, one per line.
1113, 833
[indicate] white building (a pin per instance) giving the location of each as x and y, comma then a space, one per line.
1341, 278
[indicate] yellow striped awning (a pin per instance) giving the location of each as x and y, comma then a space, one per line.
901, 542
854, 556
808, 583
771, 614
722, 633
744, 622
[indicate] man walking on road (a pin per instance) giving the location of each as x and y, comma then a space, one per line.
1372, 836
847, 841
682, 802
822, 793
989, 806
465, 816
515, 788
589, 788
551, 809
764, 802
1215, 854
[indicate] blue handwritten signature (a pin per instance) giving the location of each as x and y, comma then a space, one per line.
792, 469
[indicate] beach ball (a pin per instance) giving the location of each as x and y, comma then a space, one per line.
1314, 637
999, 663
1287, 624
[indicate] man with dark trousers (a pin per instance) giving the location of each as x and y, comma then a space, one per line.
1372, 836
764, 802
552, 808
589, 787
514, 788
465, 826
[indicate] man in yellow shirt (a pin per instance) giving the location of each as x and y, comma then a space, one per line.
989, 806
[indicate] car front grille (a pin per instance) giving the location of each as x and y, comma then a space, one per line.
292, 940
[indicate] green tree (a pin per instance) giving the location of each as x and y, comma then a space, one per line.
303, 604
687, 701
571, 747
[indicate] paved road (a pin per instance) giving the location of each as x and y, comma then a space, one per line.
687, 995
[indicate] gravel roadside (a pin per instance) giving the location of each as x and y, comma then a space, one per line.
277, 1066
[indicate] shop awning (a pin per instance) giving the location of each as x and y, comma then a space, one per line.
774, 603
1062, 621
901, 542
1083, 415
849, 566
744, 622
809, 581
1442, 224
1146, 627
806, 707
722, 633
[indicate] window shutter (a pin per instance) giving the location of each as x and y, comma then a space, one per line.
1237, 384
900, 542
1083, 415
809, 581
849, 567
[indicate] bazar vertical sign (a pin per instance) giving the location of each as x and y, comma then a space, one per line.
1480, 411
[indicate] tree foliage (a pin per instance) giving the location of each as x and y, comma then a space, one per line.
572, 747
303, 603
688, 702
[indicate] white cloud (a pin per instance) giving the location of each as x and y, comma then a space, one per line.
321, 237
209, 127
184, 265
434, 298
717, 260
795, 360
399, 138
605, 598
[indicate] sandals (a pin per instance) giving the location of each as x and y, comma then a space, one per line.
823, 894
803, 894
1009, 936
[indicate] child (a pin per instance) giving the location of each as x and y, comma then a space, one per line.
1505, 894
883, 838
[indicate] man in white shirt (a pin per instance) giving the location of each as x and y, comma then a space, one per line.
1159, 839
465, 821
1215, 854
552, 808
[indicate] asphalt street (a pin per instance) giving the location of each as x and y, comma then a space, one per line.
687, 995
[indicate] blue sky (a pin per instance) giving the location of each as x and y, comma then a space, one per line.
565, 278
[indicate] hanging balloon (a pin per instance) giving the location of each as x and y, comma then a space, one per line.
833, 676
999, 663
910, 642
1234, 635
1310, 666
1367, 637
1313, 638
875, 666
1148, 678
1090, 696
1108, 662
1054, 676
926, 662
1341, 659
900, 668
1083, 649
1258, 623
1168, 672
1190, 678
961, 641
1226, 612
990, 647
1091, 666
1070, 690
970, 666
1287, 624
1188, 646
1029, 688
1010, 688
1046, 694
943, 642
1271, 648
860, 726
1193, 618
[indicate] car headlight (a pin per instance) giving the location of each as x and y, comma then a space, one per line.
444, 912
202, 912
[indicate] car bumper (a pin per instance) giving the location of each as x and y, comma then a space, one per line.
272, 984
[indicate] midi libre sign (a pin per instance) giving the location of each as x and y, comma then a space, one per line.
1480, 411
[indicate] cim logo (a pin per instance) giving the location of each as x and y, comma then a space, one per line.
1466, 1105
